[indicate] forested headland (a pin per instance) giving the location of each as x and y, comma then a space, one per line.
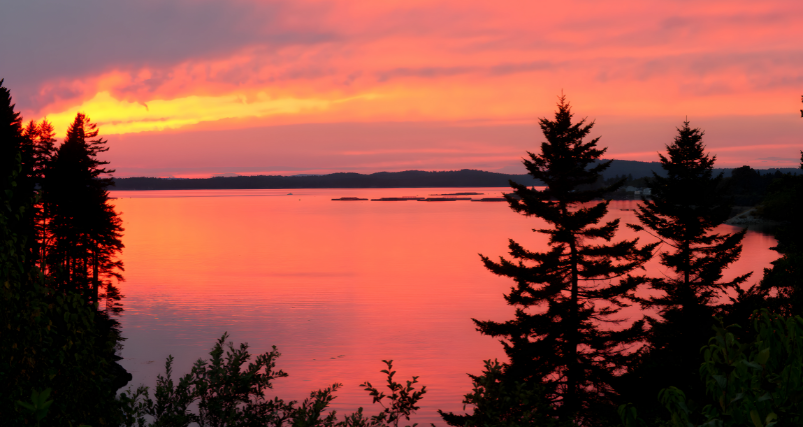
704, 351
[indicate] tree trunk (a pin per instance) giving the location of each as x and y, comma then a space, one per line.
570, 399
687, 263
43, 262
95, 282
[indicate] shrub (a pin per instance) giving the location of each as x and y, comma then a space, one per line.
224, 391
757, 383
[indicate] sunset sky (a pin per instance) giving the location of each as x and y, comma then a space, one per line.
192, 88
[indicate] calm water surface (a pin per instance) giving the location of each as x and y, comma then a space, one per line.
336, 286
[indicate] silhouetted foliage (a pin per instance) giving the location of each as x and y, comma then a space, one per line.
784, 204
757, 382
85, 229
500, 400
16, 150
784, 280
43, 139
563, 296
11, 139
71, 232
747, 187
57, 352
686, 206
224, 391
56, 355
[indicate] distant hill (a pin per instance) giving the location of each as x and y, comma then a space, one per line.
632, 167
406, 179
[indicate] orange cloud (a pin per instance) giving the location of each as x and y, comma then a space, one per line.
119, 117
187, 65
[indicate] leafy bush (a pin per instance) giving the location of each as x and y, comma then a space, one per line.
224, 391
757, 383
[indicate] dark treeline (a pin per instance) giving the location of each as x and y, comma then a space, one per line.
633, 169
72, 232
406, 179
634, 172
744, 186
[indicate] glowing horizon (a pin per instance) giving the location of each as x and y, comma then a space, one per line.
148, 70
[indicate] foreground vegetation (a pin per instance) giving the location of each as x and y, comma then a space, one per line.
571, 372
228, 393
717, 353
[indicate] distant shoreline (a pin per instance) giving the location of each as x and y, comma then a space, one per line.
466, 178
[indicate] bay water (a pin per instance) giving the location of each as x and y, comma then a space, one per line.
337, 286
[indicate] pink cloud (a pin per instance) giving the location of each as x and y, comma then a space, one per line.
413, 61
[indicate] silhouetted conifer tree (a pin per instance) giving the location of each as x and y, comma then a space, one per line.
563, 337
16, 151
684, 209
85, 228
42, 137
11, 139
40, 140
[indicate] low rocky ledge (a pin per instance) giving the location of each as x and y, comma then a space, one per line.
749, 217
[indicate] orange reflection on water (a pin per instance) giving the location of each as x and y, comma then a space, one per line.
337, 286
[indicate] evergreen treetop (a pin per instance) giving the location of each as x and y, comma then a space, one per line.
686, 206
10, 132
16, 152
43, 139
87, 231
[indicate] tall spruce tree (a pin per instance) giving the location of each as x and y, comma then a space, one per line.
564, 337
685, 208
11, 140
85, 228
16, 151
